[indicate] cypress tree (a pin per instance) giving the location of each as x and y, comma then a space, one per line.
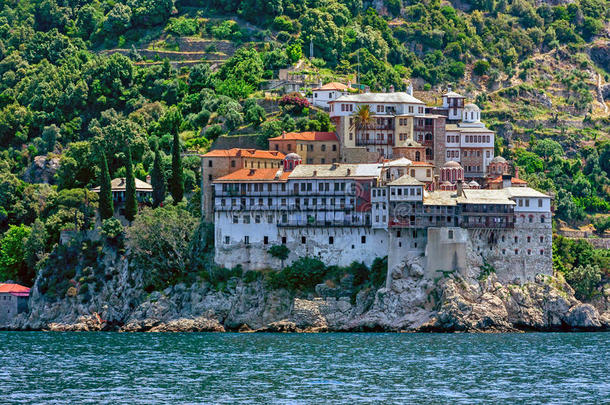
177, 181
131, 204
106, 206
157, 178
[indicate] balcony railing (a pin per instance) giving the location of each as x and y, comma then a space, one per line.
364, 142
420, 222
285, 193
488, 225
324, 223
285, 207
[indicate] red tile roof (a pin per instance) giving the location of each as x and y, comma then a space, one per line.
422, 164
333, 86
251, 175
514, 180
15, 289
306, 136
249, 153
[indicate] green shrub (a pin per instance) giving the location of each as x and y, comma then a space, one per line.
251, 276
302, 275
183, 26
481, 67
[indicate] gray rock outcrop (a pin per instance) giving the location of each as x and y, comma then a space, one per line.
410, 302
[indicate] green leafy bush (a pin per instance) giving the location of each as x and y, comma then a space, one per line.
183, 26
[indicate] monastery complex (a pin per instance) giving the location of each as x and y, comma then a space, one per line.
398, 178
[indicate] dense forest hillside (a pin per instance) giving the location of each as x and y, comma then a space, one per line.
93, 84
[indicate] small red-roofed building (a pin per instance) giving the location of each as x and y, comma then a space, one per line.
13, 301
220, 162
313, 147
505, 181
330, 91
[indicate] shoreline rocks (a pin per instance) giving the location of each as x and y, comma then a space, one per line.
410, 303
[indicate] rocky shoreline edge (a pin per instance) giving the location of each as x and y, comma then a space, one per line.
411, 304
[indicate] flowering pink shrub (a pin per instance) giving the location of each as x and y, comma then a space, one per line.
294, 102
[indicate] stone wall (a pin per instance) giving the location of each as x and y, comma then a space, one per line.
439, 144
347, 246
446, 251
358, 155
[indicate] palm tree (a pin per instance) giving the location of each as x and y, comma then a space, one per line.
364, 119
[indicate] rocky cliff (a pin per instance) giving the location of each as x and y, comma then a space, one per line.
411, 303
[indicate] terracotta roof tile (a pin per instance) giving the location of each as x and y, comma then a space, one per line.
15, 289
306, 136
252, 175
333, 86
251, 153
512, 180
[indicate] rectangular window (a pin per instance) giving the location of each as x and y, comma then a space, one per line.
257, 219
540, 202
246, 219
283, 240
235, 220
303, 239
331, 240
227, 240
247, 240
363, 239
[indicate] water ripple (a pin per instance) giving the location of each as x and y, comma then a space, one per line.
231, 368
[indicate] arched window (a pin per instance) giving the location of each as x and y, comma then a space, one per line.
542, 219
417, 156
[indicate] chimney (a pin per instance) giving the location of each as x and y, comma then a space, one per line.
283, 134
148, 179
435, 183
448, 89
516, 172
410, 89
391, 88
460, 188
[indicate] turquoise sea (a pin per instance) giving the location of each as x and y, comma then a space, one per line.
228, 368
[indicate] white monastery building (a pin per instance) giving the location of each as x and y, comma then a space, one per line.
346, 212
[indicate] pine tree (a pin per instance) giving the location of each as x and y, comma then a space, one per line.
157, 178
131, 204
105, 203
177, 181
